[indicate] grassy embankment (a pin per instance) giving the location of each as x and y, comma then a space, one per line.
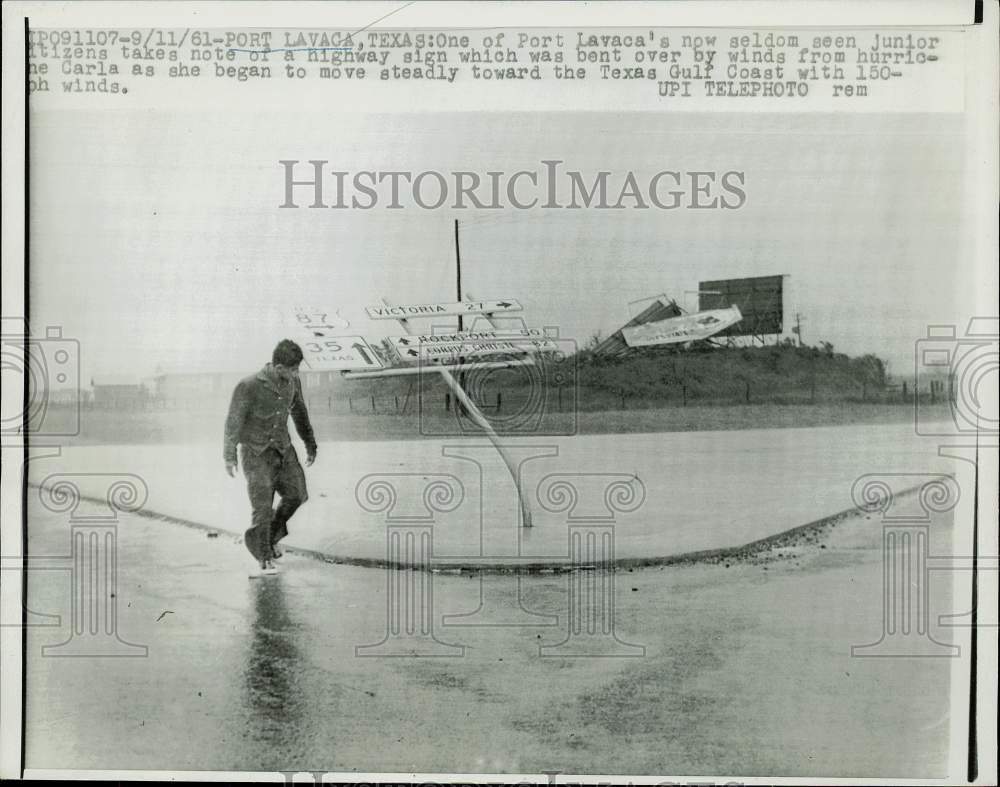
651, 391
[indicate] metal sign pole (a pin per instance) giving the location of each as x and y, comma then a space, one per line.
402, 372
480, 420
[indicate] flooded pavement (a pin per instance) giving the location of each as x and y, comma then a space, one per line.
661, 490
713, 669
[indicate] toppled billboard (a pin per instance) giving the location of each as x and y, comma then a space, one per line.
615, 344
688, 328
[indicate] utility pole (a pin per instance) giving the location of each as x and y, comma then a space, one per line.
458, 297
458, 273
797, 330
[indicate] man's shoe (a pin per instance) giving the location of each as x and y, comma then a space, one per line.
276, 554
259, 569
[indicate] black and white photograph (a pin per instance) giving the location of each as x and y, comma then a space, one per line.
549, 393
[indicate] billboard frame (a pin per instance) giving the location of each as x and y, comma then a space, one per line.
758, 317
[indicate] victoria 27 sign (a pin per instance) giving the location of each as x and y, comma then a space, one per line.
760, 300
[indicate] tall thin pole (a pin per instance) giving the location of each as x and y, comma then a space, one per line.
458, 273
463, 400
458, 297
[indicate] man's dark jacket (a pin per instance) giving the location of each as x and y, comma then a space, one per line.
258, 415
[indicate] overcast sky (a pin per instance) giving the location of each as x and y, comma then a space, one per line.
157, 239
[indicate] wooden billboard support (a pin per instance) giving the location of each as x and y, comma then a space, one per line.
471, 409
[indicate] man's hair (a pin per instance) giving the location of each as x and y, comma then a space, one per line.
287, 353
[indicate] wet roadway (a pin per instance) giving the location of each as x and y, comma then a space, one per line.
744, 669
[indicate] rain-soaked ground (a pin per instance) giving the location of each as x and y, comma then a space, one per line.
667, 493
741, 668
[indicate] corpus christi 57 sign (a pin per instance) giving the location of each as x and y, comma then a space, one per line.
445, 348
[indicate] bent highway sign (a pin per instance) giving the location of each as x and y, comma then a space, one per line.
339, 353
325, 349
319, 323
442, 309
457, 337
443, 349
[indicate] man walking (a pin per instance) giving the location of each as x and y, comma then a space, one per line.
258, 422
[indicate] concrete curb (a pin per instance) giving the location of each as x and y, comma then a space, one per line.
547, 565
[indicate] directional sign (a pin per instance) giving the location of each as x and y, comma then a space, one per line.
687, 328
319, 323
444, 348
339, 353
319, 333
442, 309
466, 336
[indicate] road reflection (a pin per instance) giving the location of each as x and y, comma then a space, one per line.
273, 698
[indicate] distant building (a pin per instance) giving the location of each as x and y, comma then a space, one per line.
191, 389
194, 389
119, 392
319, 381
68, 396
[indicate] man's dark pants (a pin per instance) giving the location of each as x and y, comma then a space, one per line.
267, 473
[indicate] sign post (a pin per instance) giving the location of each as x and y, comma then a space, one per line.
400, 314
